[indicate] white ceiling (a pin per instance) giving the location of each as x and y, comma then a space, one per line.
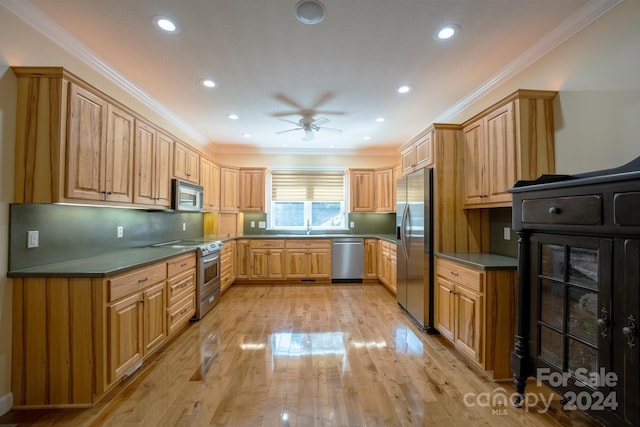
268, 66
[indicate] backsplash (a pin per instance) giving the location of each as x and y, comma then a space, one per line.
364, 223
71, 232
499, 218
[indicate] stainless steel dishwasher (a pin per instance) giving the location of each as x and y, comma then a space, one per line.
348, 255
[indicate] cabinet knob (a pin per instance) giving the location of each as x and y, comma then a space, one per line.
554, 210
629, 331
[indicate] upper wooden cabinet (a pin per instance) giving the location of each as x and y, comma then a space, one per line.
510, 141
229, 189
417, 153
153, 163
186, 163
385, 190
210, 181
73, 144
361, 190
252, 190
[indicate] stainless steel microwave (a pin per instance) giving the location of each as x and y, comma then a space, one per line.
186, 196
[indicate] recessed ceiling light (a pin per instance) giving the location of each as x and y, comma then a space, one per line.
332, 146
208, 83
380, 119
246, 135
404, 89
366, 138
447, 32
309, 11
165, 24
233, 116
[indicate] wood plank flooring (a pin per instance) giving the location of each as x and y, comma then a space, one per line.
343, 355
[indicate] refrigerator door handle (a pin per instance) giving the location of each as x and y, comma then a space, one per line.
403, 231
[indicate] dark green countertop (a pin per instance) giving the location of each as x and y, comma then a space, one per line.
481, 260
388, 237
103, 265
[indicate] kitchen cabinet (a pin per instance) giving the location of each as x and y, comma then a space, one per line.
370, 259
186, 163
229, 189
136, 322
387, 264
512, 140
227, 265
361, 190
417, 153
181, 291
152, 165
475, 310
252, 190
385, 190
242, 259
579, 299
266, 259
210, 181
73, 143
308, 259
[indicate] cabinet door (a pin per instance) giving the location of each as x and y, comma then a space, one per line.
252, 190
468, 322
144, 164
474, 161
242, 259
229, 190
86, 141
296, 264
444, 308
501, 149
319, 263
408, 159
424, 151
259, 264
384, 191
370, 258
276, 264
186, 163
361, 191
125, 335
163, 154
154, 316
119, 155
626, 342
210, 181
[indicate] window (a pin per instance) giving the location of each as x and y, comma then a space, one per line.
303, 198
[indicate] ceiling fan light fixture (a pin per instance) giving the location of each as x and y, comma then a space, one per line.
310, 11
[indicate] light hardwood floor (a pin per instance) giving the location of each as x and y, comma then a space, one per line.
344, 355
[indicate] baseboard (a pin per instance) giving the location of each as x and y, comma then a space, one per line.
6, 402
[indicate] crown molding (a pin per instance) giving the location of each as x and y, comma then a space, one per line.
30, 14
563, 32
249, 150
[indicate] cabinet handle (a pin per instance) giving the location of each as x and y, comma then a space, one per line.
554, 210
629, 331
453, 273
143, 280
183, 311
183, 265
212, 299
603, 322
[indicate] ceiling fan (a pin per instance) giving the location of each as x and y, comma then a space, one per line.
308, 124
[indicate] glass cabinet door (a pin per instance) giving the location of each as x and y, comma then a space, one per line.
571, 281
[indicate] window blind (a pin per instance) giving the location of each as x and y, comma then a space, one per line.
314, 186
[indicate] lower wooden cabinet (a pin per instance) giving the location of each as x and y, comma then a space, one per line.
387, 264
102, 329
266, 259
370, 259
475, 310
227, 265
308, 259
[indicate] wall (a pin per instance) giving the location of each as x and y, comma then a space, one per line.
598, 105
596, 111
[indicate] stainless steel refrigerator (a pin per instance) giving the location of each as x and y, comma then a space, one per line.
414, 234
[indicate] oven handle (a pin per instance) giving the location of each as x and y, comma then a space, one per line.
211, 258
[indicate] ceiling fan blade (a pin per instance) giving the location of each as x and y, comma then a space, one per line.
291, 121
329, 129
287, 130
320, 121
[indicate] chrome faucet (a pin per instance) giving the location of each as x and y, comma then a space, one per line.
308, 227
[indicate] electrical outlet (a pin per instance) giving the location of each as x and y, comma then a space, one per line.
352, 224
120, 232
262, 224
253, 224
33, 239
184, 226
507, 233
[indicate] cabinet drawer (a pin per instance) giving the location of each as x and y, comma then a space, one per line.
128, 283
575, 210
625, 209
178, 265
308, 244
460, 275
266, 244
181, 312
178, 286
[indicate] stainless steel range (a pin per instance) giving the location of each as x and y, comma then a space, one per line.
207, 271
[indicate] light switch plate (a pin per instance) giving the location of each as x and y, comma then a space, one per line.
33, 239
253, 224
120, 232
507, 233
262, 224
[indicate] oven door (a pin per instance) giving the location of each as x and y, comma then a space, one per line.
209, 274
